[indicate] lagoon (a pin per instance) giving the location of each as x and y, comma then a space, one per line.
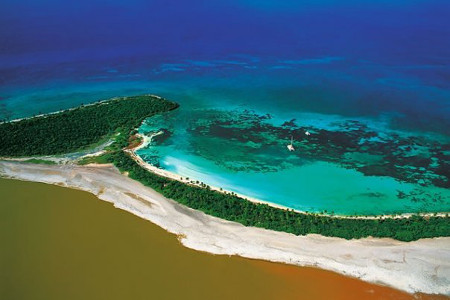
229, 132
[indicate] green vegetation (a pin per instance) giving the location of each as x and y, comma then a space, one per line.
99, 159
82, 127
233, 208
78, 128
39, 161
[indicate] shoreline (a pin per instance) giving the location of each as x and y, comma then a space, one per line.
419, 266
70, 158
101, 101
146, 140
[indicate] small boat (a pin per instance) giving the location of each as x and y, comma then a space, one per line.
291, 146
308, 133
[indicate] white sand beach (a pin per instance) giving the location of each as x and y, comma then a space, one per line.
419, 266
146, 140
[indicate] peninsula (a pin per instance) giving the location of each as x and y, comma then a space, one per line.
410, 253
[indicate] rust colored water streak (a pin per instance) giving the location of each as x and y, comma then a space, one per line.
59, 243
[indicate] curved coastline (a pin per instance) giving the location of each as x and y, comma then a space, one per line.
420, 266
131, 150
211, 200
146, 140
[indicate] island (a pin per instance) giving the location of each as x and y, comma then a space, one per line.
93, 148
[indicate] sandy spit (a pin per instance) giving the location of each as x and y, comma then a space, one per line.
419, 266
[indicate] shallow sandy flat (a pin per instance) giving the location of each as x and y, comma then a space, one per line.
420, 266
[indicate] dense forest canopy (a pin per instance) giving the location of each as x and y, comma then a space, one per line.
234, 208
78, 128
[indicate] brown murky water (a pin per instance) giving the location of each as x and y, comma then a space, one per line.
58, 243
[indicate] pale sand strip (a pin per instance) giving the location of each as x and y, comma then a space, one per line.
420, 266
146, 140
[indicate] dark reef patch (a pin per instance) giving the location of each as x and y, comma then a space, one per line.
252, 142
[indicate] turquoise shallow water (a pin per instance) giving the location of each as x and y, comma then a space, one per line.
314, 187
237, 116
300, 181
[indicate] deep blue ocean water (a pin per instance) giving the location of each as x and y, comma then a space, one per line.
383, 63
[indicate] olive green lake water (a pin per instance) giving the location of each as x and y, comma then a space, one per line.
59, 243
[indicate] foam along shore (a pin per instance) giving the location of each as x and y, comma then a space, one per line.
419, 266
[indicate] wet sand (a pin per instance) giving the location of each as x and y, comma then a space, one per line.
420, 266
65, 244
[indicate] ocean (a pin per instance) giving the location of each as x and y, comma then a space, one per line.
361, 87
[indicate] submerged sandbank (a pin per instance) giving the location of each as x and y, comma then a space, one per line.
420, 266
